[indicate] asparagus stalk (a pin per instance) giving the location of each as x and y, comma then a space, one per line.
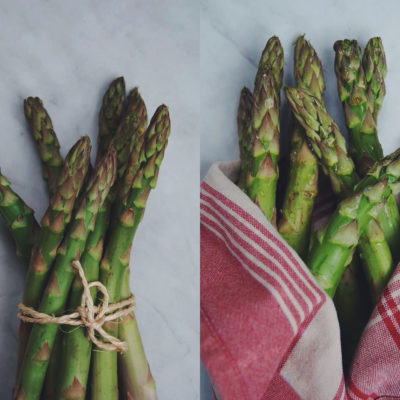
76, 348
374, 64
115, 261
263, 158
46, 140
244, 132
54, 223
110, 115
352, 87
42, 337
353, 309
263, 171
302, 188
137, 381
352, 218
19, 219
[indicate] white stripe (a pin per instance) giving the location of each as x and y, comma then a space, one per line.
262, 281
261, 265
264, 253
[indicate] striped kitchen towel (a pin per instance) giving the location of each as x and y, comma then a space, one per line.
267, 330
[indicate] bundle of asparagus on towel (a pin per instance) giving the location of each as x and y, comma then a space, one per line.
93, 215
354, 253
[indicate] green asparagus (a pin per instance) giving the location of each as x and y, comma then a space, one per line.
352, 87
110, 115
302, 187
74, 366
19, 219
352, 217
53, 225
117, 253
46, 139
41, 339
244, 132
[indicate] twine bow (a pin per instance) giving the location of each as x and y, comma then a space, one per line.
89, 315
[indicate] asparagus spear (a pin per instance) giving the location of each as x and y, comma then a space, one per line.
352, 87
262, 174
54, 223
115, 261
244, 132
351, 219
271, 60
46, 139
263, 158
325, 139
54, 299
302, 188
110, 114
19, 219
374, 64
74, 366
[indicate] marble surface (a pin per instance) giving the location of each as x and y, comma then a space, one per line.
233, 34
67, 53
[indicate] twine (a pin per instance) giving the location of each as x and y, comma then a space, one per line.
89, 315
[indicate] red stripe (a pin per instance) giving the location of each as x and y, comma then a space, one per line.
386, 318
357, 391
277, 269
257, 270
340, 390
282, 259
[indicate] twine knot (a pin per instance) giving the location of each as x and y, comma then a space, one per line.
89, 315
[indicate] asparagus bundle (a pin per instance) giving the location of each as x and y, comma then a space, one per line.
75, 226
41, 339
76, 348
47, 143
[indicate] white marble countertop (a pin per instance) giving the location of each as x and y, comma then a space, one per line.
233, 35
67, 53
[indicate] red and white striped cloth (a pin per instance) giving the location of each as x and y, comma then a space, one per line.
267, 330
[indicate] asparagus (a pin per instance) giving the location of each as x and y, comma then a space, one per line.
374, 64
74, 367
137, 381
302, 188
115, 261
19, 219
352, 87
271, 60
53, 225
110, 115
329, 146
42, 337
46, 139
325, 139
351, 219
263, 172
244, 132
